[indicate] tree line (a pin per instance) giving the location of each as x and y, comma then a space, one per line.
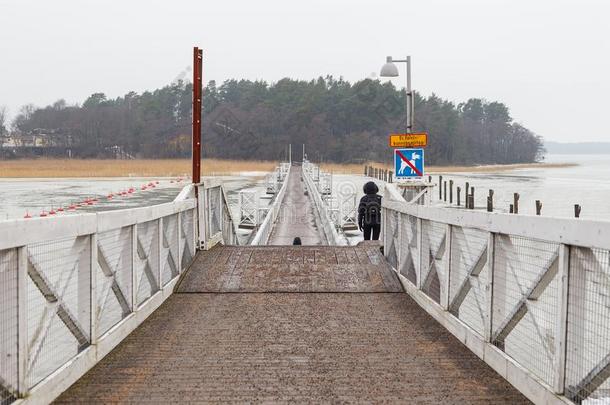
337, 121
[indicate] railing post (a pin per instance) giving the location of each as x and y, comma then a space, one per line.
193, 242
447, 262
489, 287
418, 270
22, 319
134, 270
562, 319
93, 289
160, 252
180, 243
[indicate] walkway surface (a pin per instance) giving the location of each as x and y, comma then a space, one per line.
293, 324
297, 217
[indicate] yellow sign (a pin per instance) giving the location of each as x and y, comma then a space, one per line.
418, 140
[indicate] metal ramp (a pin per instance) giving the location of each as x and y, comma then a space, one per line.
333, 325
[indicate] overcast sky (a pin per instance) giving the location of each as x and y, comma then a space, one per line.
548, 60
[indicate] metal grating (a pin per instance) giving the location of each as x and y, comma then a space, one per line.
58, 304
147, 260
434, 244
588, 332
113, 277
408, 249
9, 325
469, 276
525, 302
169, 249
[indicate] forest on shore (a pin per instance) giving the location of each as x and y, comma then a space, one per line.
338, 121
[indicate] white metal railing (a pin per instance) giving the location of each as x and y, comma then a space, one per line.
216, 223
264, 230
530, 295
311, 175
73, 287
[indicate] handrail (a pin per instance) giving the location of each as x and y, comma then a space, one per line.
264, 230
95, 276
215, 219
522, 292
326, 223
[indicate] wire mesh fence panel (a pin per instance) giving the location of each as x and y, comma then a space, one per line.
408, 247
169, 254
215, 212
588, 332
113, 277
433, 253
469, 276
186, 233
147, 260
9, 326
525, 306
392, 237
58, 304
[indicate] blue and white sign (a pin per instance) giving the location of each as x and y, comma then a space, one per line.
408, 163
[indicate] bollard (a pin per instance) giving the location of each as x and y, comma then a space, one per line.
365, 171
490, 201
516, 203
538, 207
472, 197
577, 209
445, 190
511, 208
440, 187
450, 191
429, 179
459, 190
390, 176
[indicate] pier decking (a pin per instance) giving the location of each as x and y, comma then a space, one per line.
291, 324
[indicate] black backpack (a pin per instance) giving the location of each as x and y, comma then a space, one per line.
372, 210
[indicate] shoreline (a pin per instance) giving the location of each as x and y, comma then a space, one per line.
168, 168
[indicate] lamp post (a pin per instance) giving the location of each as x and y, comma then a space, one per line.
389, 69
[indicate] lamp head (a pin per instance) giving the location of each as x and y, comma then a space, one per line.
389, 69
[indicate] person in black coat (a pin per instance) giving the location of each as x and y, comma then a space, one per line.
369, 212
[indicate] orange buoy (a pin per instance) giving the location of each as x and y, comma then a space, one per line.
43, 213
52, 212
27, 215
60, 209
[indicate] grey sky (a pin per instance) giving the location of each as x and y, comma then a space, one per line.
548, 60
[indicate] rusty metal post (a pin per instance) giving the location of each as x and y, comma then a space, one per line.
577, 209
490, 201
516, 203
440, 188
450, 191
197, 94
538, 207
459, 190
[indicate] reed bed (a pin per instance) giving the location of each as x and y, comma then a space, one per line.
69, 168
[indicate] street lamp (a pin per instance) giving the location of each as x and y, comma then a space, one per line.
390, 70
